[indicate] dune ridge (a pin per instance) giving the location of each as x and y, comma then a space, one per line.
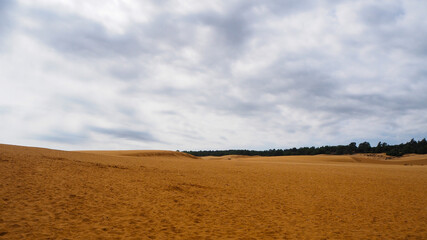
377, 158
52, 194
143, 153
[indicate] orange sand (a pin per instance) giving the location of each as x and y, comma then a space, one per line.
50, 194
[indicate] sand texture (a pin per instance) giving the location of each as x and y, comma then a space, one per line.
51, 194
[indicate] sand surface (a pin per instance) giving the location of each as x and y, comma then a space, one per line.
50, 194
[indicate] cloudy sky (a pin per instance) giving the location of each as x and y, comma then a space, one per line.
194, 75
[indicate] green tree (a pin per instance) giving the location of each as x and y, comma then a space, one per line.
352, 148
364, 147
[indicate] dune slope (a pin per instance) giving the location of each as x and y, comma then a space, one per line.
85, 195
143, 153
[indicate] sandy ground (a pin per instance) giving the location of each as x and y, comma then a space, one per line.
50, 194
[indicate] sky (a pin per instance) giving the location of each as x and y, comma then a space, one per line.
193, 75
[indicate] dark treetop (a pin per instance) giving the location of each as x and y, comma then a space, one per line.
412, 146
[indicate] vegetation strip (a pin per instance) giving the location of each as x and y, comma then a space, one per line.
419, 147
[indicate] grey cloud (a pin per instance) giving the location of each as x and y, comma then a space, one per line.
283, 8
173, 30
381, 14
125, 133
307, 89
5, 110
306, 83
79, 104
115, 112
4, 5
243, 108
389, 28
232, 28
82, 37
6, 23
289, 6
240, 107
188, 135
414, 42
5, 8
362, 105
125, 72
400, 104
60, 136
315, 91
170, 113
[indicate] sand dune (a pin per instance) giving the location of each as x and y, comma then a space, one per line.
143, 153
410, 159
51, 194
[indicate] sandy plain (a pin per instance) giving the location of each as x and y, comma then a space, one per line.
52, 194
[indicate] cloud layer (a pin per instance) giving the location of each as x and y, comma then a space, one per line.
192, 75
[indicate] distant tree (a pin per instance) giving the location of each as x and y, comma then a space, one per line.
364, 147
378, 148
422, 147
340, 150
395, 152
352, 147
412, 146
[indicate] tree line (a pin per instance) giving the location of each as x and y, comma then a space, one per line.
419, 147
